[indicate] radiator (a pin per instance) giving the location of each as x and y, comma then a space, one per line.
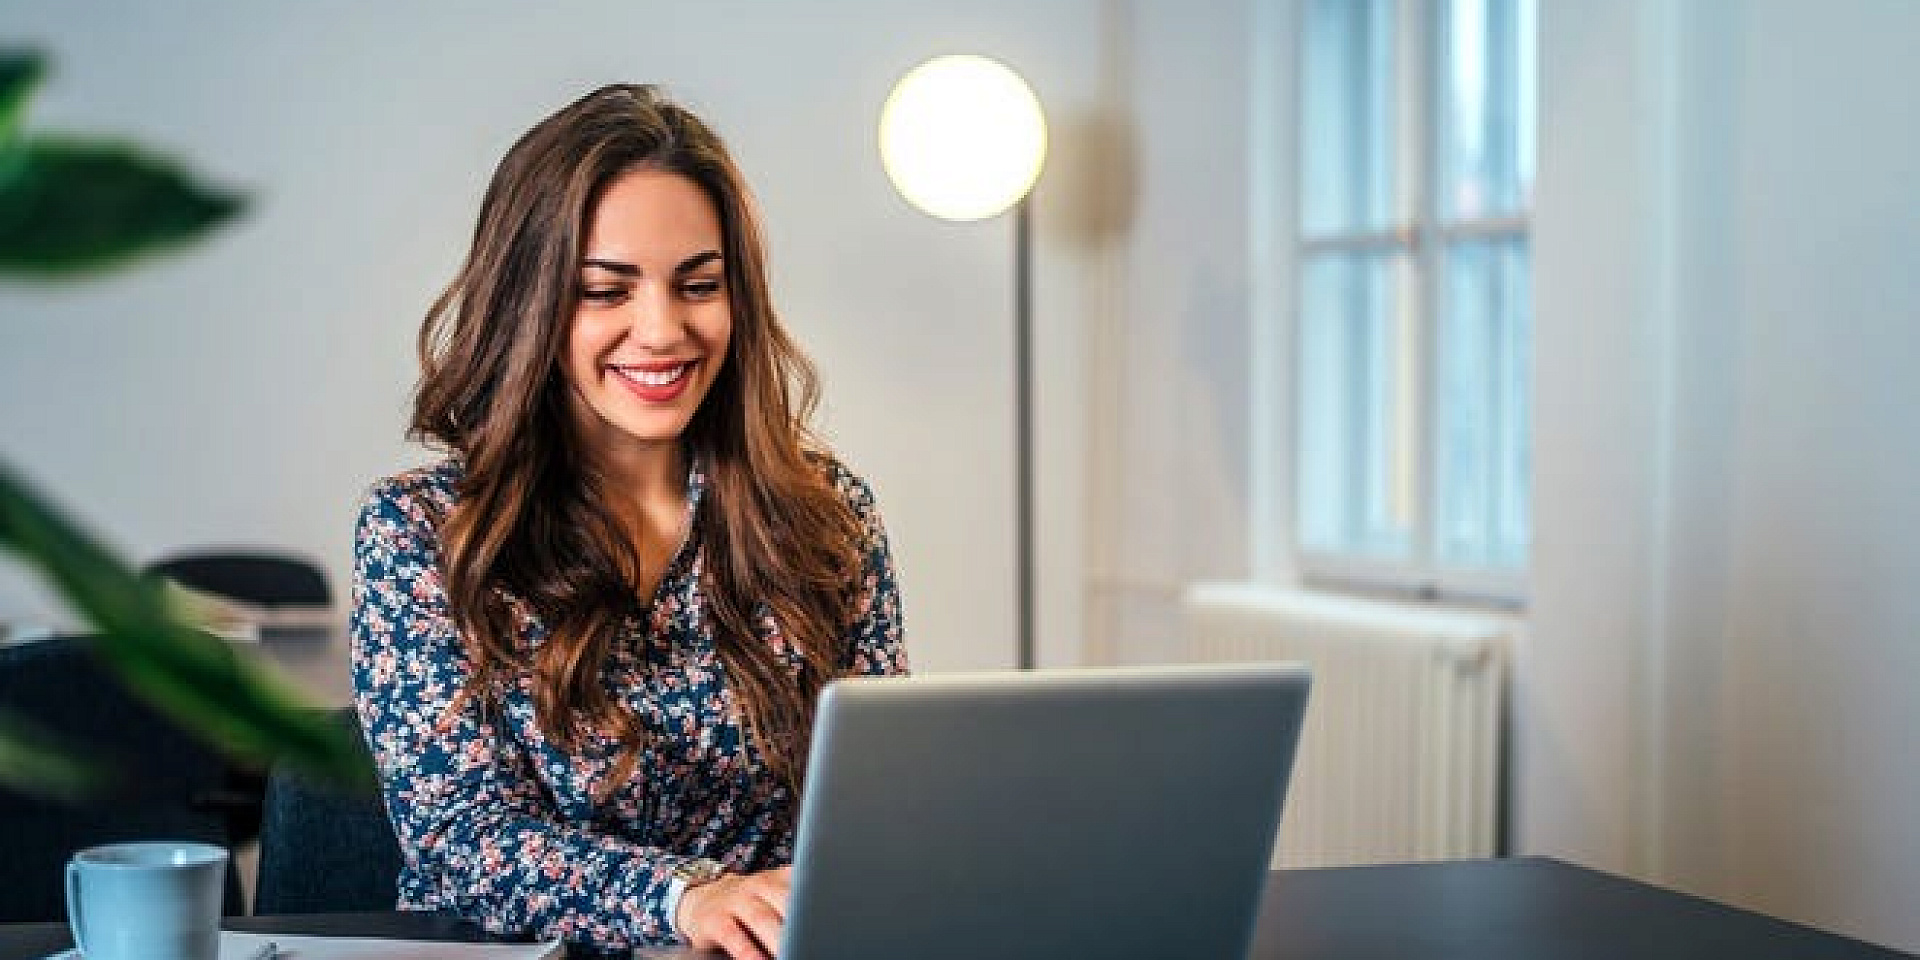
1399, 758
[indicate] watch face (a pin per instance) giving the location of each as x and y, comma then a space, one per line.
698, 870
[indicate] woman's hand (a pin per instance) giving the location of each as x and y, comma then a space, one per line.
742, 914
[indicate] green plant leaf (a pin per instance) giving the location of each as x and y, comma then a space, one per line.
20, 72
71, 207
237, 703
33, 761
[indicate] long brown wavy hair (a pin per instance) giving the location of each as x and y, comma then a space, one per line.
533, 519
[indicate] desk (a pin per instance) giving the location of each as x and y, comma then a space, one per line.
31, 941
315, 658
1529, 907
1526, 907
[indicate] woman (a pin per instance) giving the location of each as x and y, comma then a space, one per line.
587, 646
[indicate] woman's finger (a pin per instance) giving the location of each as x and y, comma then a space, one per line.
760, 919
737, 941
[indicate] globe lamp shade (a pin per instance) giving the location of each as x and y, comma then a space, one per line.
962, 137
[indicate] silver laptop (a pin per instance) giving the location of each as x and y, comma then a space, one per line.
1102, 813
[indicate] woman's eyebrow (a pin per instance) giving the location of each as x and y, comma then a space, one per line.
612, 266
696, 261
688, 265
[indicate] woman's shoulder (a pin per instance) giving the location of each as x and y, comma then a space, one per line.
851, 487
422, 494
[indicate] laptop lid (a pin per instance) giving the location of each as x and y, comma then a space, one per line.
1127, 812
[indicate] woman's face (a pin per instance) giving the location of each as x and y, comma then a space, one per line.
651, 330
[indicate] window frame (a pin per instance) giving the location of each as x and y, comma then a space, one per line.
1421, 38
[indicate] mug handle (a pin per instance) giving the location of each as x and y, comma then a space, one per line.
74, 920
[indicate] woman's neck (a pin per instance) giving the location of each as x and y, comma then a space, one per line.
646, 486
641, 475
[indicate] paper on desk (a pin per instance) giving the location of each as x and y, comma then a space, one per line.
288, 946
241, 946
245, 622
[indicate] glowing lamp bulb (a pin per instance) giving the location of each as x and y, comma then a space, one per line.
962, 137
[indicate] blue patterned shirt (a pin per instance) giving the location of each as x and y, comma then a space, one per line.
502, 826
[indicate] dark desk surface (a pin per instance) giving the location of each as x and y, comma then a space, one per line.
1528, 907
1481, 909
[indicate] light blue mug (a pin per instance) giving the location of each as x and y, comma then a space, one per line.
152, 900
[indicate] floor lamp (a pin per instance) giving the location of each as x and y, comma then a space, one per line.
963, 138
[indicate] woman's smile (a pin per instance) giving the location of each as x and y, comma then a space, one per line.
654, 382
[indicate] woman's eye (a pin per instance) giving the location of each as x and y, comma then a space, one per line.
602, 294
700, 289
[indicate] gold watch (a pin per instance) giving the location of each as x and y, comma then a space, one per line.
695, 871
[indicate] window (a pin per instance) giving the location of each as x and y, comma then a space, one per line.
1415, 294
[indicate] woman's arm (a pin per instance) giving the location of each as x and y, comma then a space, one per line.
877, 639
744, 915
470, 815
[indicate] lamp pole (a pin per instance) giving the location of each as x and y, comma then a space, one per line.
1023, 426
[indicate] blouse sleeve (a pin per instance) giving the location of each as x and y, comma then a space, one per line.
877, 641
469, 813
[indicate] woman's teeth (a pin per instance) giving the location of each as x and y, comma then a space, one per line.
654, 378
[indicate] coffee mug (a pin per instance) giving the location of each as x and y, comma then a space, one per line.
152, 900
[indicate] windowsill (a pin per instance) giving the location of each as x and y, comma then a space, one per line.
1428, 594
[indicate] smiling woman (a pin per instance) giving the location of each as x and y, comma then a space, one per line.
588, 645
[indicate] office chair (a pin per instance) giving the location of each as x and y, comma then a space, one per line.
164, 783
324, 849
262, 579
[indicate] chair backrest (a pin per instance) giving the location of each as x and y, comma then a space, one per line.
266, 579
165, 783
324, 849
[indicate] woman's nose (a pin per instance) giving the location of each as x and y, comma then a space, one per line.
655, 321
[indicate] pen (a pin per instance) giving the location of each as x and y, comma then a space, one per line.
267, 951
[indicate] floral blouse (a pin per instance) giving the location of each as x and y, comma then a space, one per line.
498, 824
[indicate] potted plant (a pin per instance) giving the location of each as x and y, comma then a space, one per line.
73, 208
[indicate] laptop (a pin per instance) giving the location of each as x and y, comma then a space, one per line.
1099, 813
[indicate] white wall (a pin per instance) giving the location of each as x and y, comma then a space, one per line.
247, 390
1599, 245
1724, 682
1170, 400
1810, 529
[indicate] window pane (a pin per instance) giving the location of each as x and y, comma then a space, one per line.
1482, 424
1488, 90
1349, 140
1357, 405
